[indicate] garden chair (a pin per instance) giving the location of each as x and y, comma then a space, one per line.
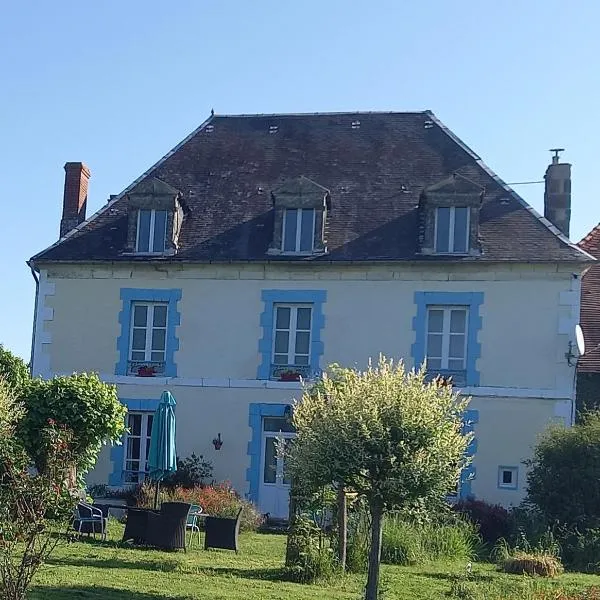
192, 521
166, 529
222, 532
89, 519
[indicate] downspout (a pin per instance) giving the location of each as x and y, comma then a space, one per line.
35, 311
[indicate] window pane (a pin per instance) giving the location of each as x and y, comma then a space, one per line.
289, 233
149, 426
282, 340
158, 339
134, 466
457, 346
139, 355
270, 460
277, 424
460, 229
280, 359
456, 364
434, 346
307, 230
160, 228
283, 317
302, 342
134, 424
458, 319
507, 477
443, 230
133, 448
301, 360
138, 341
140, 315
434, 363
435, 322
160, 315
144, 231
303, 319
157, 356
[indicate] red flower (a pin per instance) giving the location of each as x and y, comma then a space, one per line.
51, 422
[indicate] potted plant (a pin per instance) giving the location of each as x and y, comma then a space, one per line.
146, 371
289, 375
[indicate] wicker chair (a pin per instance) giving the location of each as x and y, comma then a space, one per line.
221, 532
166, 530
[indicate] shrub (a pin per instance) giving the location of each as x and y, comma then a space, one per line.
309, 556
532, 563
407, 543
564, 480
13, 371
493, 520
191, 471
581, 551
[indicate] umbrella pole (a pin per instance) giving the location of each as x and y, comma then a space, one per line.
156, 494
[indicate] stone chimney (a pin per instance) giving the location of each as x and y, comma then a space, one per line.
77, 176
557, 193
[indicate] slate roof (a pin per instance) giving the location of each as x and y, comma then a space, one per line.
375, 165
590, 306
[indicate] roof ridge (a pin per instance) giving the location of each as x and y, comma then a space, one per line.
479, 161
584, 241
118, 197
326, 113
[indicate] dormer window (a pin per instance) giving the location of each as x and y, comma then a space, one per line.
451, 229
300, 209
151, 231
155, 215
298, 230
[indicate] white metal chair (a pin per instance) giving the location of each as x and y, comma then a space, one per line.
192, 521
89, 519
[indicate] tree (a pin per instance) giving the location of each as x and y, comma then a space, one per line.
13, 370
386, 434
564, 480
86, 406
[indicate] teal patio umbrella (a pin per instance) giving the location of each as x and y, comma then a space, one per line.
162, 456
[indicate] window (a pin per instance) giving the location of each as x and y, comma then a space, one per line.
137, 446
446, 347
291, 342
151, 231
148, 337
452, 230
508, 477
298, 229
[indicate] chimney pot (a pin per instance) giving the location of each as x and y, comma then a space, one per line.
557, 193
77, 176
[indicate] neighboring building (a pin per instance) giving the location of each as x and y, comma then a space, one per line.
588, 365
265, 247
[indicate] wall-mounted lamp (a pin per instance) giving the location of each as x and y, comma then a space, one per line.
217, 442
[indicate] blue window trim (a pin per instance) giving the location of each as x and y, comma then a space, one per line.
117, 453
473, 300
471, 418
265, 345
131, 295
257, 412
515, 484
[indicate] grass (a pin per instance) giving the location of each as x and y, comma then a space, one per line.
109, 571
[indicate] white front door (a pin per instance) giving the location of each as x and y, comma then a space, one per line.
274, 493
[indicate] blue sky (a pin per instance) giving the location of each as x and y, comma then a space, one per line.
117, 84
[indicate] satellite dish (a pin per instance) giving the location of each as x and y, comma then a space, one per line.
580, 340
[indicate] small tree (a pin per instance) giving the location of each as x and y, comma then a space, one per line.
564, 480
32, 504
86, 406
386, 434
13, 371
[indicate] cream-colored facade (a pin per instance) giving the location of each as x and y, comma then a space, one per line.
527, 318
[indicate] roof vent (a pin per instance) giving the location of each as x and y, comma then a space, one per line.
209, 128
355, 124
273, 129
428, 124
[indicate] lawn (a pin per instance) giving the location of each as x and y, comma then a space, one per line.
109, 571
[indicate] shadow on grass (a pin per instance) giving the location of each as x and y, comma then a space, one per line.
271, 574
166, 565
474, 577
85, 592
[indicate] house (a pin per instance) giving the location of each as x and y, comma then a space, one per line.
264, 247
588, 365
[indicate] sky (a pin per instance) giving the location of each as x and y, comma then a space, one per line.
117, 84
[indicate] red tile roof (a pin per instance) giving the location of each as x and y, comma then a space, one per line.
590, 306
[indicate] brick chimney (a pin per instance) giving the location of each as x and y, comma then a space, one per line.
77, 176
557, 193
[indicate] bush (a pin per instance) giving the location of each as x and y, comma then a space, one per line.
309, 556
493, 520
532, 563
564, 481
13, 371
219, 500
407, 543
191, 472
581, 551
